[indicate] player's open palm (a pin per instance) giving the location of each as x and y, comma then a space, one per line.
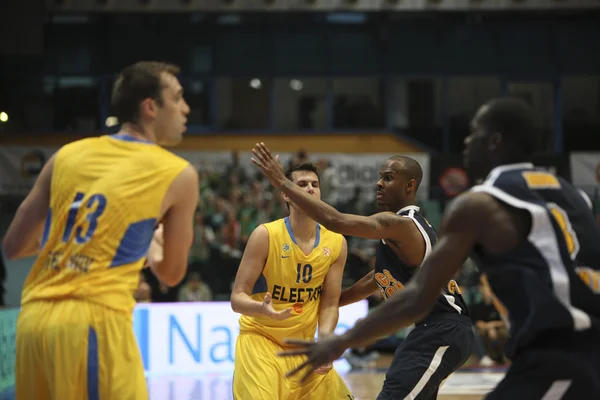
269, 165
269, 311
319, 354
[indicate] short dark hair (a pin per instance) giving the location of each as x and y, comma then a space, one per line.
516, 121
310, 167
135, 83
411, 167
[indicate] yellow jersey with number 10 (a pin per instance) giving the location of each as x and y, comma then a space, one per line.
295, 280
106, 195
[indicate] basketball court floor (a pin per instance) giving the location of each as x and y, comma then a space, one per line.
467, 384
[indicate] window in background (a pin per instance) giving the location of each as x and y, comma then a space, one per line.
581, 111
243, 103
539, 95
76, 103
301, 103
59, 104
26, 107
358, 103
465, 95
196, 92
416, 108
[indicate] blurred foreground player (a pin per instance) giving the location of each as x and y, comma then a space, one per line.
539, 248
289, 279
101, 199
442, 340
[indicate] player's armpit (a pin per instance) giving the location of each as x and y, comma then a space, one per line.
178, 228
463, 224
249, 271
25, 232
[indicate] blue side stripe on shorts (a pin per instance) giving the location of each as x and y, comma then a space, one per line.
92, 366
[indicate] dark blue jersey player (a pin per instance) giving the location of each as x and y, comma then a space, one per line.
539, 248
442, 340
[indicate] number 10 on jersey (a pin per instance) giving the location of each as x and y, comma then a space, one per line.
304, 273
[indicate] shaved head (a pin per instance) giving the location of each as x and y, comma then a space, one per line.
410, 167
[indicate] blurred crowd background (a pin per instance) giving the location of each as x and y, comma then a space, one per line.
357, 81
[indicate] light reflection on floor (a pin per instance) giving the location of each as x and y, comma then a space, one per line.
364, 385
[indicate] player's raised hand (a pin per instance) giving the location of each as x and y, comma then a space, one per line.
269, 311
319, 354
270, 167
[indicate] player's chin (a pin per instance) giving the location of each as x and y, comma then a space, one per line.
381, 205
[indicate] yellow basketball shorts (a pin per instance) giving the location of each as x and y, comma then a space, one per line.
77, 350
260, 374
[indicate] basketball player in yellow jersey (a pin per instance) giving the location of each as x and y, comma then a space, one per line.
289, 280
101, 199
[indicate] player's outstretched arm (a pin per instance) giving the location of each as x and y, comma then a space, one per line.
464, 222
362, 289
330, 295
386, 225
177, 228
329, 311
250, 269
24, 234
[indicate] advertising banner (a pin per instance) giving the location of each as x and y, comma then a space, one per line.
181, 338
20, 165
8, 326
174, 338
585, 175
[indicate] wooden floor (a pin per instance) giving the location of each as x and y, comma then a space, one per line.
366, 386
467, 384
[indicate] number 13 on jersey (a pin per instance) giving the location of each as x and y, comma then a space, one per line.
95, 206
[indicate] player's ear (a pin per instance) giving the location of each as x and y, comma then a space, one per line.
148, 107
495, 140
411, 184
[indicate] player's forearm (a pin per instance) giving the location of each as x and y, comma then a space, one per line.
400, 311
362, 289
241, 303
328, 319
16, 245
316, 209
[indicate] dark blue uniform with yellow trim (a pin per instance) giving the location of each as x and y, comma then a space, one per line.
441, 343
547, 288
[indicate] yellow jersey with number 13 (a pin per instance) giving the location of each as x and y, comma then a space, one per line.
105, 201
295, 280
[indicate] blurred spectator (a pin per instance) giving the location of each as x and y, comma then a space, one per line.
143, 293
490, 327
194, 289
204, 237
329, 181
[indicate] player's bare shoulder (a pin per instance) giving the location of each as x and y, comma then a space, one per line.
497, 225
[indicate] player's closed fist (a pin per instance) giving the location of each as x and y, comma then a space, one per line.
269, 311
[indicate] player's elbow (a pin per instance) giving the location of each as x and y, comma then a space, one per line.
235, 304
169, 274
336, 222
10, 248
